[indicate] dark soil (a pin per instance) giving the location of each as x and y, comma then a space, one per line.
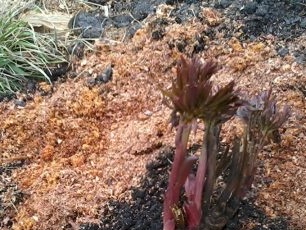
144, 210
284, 19
10, 194
246, 20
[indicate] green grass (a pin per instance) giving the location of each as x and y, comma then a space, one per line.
24, 54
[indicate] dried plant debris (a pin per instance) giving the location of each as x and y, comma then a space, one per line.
10, 195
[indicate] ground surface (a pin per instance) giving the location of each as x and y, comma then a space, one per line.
92, 152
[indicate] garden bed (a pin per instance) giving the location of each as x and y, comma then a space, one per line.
89, 153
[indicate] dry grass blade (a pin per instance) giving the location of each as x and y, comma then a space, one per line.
24, 54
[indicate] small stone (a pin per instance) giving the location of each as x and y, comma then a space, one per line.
141, 10
157, 35
91, 82
301, 59
303, 23
262, 10
106, 76
59, 141
148, 113
122, 20
250, 8
20, 103
87, 24
224, 4
283, 51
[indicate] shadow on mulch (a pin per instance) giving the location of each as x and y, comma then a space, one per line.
10, 195
144, 210
283, 19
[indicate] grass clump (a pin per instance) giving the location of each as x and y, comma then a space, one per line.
25, 54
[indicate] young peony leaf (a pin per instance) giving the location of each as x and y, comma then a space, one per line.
222, 105
262, 113
191, 87
193, 95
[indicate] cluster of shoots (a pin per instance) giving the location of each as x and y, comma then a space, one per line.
194, 99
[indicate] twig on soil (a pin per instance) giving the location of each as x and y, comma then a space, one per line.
12, 203
126, 150
134, 19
